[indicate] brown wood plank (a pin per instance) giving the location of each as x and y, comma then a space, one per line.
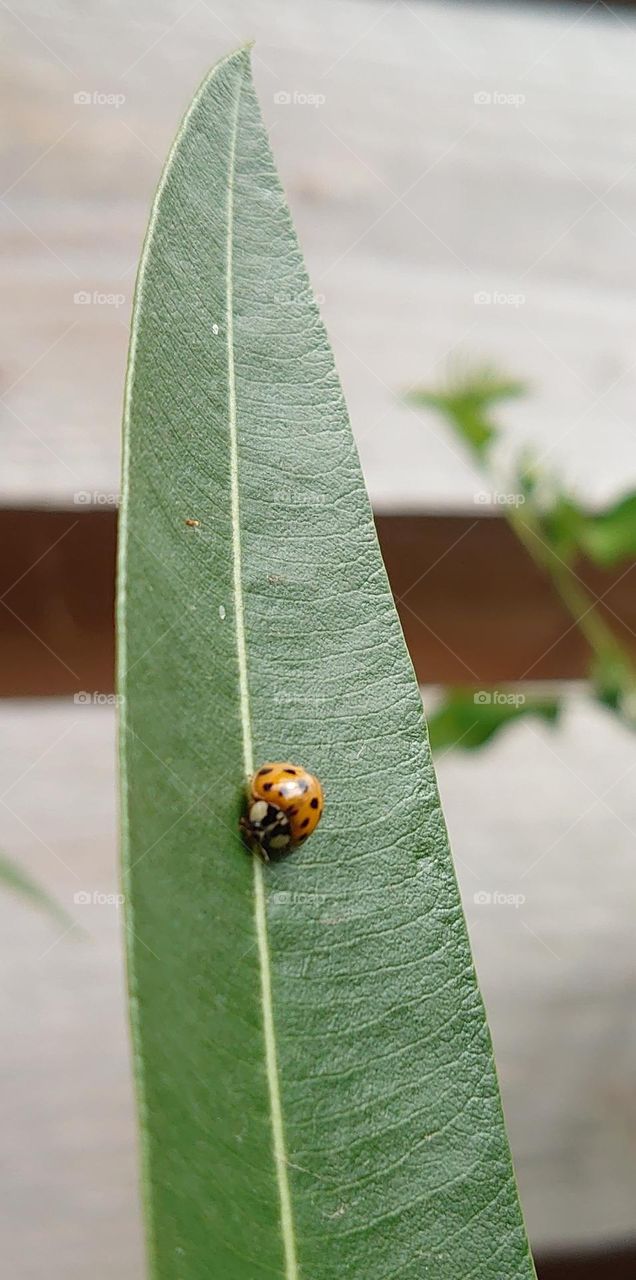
57, 573
601, 1264
474, 608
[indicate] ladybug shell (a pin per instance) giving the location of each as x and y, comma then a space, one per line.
293, 790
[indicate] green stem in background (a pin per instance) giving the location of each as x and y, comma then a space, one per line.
581, 606
555, 535
13, 877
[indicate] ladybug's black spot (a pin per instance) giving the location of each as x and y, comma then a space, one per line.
305, 822
267, 786
292, 812
314, 803
261, 773
292, 771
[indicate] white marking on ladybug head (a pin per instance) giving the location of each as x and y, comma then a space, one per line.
279, 842
258, 811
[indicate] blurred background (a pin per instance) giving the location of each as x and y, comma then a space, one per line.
463, 181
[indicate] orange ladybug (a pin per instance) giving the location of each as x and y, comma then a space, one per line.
285, 805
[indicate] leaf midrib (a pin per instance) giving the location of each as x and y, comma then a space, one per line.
260, 912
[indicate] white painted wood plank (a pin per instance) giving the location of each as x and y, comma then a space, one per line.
410, 196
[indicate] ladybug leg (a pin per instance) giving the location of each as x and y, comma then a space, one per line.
253, 839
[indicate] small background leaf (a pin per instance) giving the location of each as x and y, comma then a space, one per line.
607, 538
14, 878
317, 1090
468, 720
467, 404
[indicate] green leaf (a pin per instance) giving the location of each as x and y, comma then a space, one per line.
561, 527
607, 538
317, 1091
467, 404
469, 719
13, 877
614, 685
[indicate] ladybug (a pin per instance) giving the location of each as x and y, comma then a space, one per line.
285, 805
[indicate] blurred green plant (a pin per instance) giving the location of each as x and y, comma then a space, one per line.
559, 535
469, 719
12, 877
